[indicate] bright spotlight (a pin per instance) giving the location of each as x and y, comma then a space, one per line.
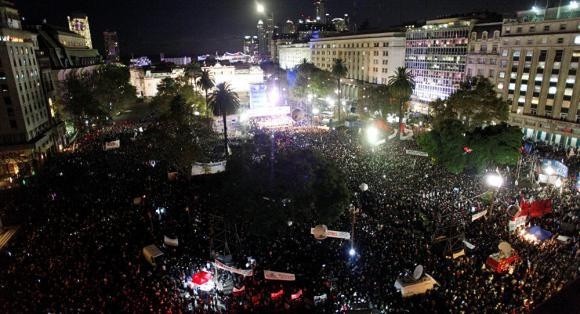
573, 5
330, 101
494, 180
549, 171
315, 111
274, 95
372, 135
260, 8
351, 252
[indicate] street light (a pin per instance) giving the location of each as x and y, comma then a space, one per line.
372, 135
351, 252
494, 180
260, 8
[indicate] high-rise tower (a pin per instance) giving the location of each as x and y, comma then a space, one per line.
79, 23
111, 46
320, 10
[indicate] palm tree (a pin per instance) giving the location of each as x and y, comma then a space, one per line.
401, 86
206, 83
224, 101
339, 71
192, 73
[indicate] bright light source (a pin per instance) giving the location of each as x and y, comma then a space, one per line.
315, 111
351, 252
274, 95
573, 5
535, 9
310, 96
196, 113
494, 180
558, 183
549, 171
372, 135
260, 8
330, 101
244, 116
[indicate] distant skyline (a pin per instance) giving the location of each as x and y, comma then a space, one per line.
188, 27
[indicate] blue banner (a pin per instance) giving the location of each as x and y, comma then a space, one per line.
554, 167
578, 181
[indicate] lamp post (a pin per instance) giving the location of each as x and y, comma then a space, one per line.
495, 181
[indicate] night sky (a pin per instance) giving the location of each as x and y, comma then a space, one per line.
187, 27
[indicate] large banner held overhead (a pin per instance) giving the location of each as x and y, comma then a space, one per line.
243, 272
475, 217
416, 153
553, 167
200, 168
274, 275
112, 145
171, 242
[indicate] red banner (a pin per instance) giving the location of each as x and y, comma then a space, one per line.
536, 208
297, 295
277, 295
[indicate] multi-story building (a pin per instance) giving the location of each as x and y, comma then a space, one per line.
112, 52
146, 80
63, 48
436, 55
25, 121
79, 23
289, 56
539, 73
240, 77
369, 58
251, 47
484, 49
179, 61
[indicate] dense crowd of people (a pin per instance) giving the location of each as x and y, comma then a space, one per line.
80, 241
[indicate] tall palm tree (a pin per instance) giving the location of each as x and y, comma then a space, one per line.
224, 101
401, 86
206, 83
192, 73
339, 71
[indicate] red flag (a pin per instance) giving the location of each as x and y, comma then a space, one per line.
297, 295
277, 295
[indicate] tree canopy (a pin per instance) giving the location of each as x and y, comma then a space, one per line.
476, 103
458, 149
177, 96
97, 95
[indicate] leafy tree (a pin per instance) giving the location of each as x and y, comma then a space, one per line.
79, 102
445, 145
451, 144
494, 145
224, 101
112, 88
168, 87
311, 80
180, 110
380, 99
192, 73
206, 83
339, 71
475, 102
401, 86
